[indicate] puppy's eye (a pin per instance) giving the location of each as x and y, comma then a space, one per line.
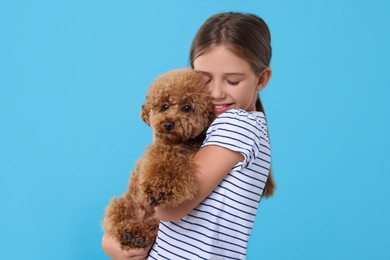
164, 107
186, 108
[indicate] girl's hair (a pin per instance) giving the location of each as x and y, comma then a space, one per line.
246, 35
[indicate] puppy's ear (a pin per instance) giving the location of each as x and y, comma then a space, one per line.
145, 113
211, 117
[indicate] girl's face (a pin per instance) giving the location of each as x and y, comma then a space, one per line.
230, 80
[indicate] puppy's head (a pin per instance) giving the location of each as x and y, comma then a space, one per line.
177, 106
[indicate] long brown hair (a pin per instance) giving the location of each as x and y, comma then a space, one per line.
249, 37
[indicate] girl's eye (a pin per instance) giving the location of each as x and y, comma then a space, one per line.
207, 81
164, 107
186, 108
233, 83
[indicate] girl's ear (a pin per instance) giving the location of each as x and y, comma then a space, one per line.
145, 113
264, 78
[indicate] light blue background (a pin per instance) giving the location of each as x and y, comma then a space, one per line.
73, 76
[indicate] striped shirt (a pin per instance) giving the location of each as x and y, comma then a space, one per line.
220, 226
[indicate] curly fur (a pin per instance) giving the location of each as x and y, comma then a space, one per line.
179, 110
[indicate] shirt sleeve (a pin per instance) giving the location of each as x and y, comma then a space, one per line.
238, 131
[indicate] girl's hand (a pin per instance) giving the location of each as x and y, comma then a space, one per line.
113, 250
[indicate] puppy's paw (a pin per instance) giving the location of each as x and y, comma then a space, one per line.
138, 235
129, 240
154, 196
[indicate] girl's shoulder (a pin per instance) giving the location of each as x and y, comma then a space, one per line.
241, 117
239, 131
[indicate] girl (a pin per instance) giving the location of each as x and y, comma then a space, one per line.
232, 52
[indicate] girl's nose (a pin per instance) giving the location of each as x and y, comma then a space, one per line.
216, 90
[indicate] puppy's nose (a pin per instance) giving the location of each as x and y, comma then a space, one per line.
169, 125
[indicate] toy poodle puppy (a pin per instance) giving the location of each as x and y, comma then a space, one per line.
179, 110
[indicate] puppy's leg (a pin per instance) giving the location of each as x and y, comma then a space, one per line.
118, 213
129, 221
168, 176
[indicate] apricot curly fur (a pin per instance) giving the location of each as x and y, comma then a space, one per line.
179, 110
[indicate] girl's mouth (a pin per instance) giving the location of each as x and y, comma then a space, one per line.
219, 109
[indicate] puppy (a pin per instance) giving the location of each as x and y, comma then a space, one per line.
179, 110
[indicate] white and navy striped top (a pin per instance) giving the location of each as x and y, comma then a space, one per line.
219, 227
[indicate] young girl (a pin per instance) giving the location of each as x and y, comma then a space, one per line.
232, 51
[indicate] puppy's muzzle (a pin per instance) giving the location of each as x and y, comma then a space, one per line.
168, 125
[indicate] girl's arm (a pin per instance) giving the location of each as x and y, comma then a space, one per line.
213, 162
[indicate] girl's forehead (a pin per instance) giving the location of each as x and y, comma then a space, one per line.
225, 48
221, 59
